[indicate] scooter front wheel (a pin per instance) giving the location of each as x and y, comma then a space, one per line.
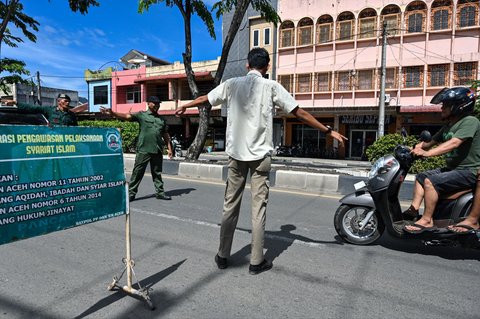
348, 224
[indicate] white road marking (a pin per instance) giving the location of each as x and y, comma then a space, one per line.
211, 225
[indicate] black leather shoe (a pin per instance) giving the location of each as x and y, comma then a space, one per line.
221, 262
263, 266
164, 197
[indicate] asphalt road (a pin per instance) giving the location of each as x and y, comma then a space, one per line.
315, 275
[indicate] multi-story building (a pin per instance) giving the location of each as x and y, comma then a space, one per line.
329, 58
143, 75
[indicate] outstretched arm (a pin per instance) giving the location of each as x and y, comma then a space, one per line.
121, 116
308, 119
197, 102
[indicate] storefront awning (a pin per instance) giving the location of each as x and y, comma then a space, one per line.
420, 109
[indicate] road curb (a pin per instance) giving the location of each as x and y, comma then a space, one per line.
312, 182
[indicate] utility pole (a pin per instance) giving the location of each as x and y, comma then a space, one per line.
381, 102
39, 89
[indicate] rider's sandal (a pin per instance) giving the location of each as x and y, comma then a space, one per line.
410, 214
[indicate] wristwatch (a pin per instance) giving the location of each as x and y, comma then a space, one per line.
329, 129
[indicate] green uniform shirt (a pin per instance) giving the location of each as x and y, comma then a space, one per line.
467, 155
152, 129
53, 115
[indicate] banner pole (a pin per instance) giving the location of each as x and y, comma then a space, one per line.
129, 263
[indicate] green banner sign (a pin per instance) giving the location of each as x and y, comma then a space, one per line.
56, 178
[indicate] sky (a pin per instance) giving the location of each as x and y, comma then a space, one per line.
68, 43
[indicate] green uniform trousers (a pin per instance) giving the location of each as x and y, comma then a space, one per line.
141, 162
259, 185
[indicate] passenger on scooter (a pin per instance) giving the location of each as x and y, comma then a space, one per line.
472, 221
459, 141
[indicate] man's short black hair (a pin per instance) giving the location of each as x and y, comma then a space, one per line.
258, 58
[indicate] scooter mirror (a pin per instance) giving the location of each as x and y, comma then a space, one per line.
425, 136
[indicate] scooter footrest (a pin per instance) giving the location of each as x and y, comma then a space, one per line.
443, 223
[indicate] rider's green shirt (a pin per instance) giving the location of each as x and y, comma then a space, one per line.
467, 155
52, 113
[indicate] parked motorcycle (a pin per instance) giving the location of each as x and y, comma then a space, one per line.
177, 146
364, 215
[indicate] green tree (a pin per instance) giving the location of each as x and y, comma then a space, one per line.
187, 9
12, 14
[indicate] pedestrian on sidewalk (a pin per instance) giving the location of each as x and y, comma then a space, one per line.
250, 102
151, 140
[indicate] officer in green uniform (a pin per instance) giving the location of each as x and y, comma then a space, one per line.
151, 139
59, 115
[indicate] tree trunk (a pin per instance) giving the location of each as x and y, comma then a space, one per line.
198, 144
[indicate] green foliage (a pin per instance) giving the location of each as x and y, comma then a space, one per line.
263, 6
476, 86
128, 131
387, 143
12, 12
16, 69
187, 8
82, 5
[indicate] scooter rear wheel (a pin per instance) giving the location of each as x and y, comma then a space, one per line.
347, 224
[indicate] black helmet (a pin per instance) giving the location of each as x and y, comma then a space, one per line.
460, 99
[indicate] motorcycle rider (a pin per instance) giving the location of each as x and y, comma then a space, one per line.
459, 141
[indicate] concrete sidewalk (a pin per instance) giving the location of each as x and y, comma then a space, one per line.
312, 175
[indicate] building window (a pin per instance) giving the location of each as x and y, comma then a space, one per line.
467, 13
286, 34
367, 23
322, 82
415, 16
438, 75
266, 36
464, 73
441, 15
304, 83
367, 28
100, 94
324, 29
305, 28
286, 81
415, 22
256, 38
391, 15
391, 80
413, 76
345, 30
440, 20
345, 26
343, 81
365, 80
133, 94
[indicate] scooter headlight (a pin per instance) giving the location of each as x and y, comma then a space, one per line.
381, 166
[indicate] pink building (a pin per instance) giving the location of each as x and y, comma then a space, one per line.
329, 58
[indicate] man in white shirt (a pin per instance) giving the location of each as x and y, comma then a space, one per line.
250, 102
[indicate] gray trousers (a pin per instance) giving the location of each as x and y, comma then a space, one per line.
259, 183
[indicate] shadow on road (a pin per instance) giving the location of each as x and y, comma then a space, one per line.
413, 246
173, 193
276, 242
119, 294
